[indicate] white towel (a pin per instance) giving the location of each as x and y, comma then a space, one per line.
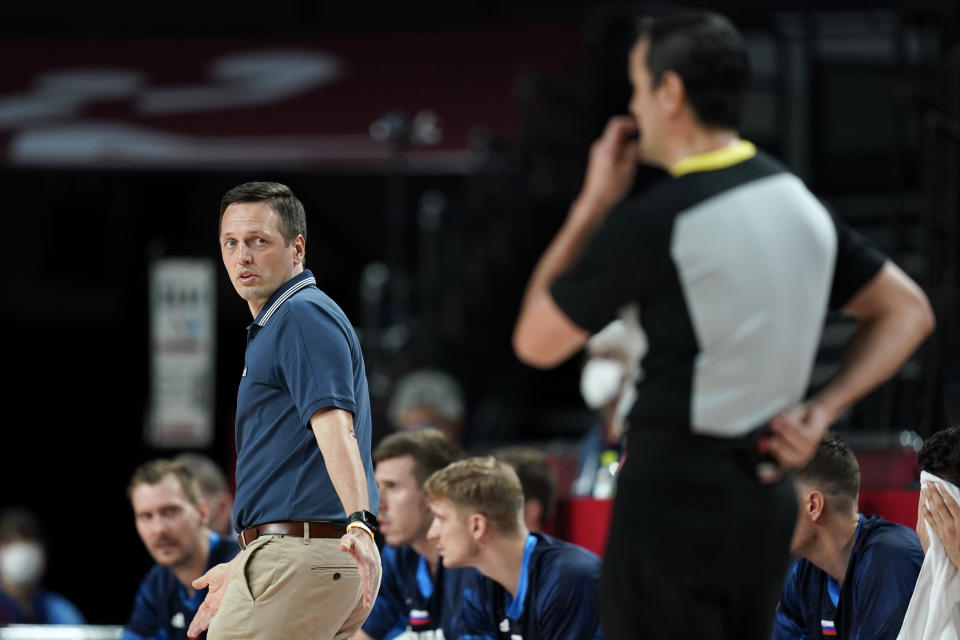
934, 611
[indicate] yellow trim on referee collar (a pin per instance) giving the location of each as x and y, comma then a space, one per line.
722, 158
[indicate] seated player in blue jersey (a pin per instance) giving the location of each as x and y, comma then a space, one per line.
171, 519
23, 600
533, 586
419, 597
856, 572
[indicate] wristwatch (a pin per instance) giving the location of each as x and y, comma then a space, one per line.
366, 518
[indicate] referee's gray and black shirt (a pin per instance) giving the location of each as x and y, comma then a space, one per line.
733, 264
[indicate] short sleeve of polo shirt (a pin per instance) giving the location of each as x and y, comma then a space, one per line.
858, 261
315, 362
624, 261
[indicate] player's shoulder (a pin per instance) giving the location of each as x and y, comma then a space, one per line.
882, 534
561, 560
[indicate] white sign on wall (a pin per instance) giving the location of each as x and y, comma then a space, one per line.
182, 341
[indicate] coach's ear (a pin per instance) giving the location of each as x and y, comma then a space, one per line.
478, 525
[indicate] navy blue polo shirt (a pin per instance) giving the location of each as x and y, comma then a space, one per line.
161, 609
556, 597
302, 356
876, 590
413, 602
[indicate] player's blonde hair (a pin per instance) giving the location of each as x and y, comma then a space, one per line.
483, 485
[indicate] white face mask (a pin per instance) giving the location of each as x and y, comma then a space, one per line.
601, 381
21, 562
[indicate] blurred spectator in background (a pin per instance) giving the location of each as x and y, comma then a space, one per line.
934, 611
532, 585
216, 491
171, 518
608, 384
418, 595
429, 398
22, 565
857, 572
538, 483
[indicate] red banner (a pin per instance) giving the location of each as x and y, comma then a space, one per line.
266, 102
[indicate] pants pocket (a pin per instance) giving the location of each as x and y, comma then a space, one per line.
260, 570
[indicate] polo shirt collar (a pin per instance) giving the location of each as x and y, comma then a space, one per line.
721, 158
284, 293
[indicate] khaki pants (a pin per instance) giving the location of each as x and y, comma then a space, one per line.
291, 588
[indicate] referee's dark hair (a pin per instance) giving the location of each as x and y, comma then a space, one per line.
834, 471
708, 53
280, 198
940, 455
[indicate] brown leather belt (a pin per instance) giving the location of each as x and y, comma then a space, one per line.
292, 528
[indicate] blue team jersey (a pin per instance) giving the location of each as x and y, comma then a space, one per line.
411, 603
871, 602
162, 610
556, 597
47, 608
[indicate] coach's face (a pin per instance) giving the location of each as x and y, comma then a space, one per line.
453, 534
404, 514
172, 528
258, 259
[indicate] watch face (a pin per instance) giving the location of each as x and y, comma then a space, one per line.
365, 517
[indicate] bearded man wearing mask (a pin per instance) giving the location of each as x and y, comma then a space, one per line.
22, 562
608, 384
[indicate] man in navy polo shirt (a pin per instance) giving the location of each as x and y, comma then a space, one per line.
171, 518
530, 586
857, 572
305, 484
419, 597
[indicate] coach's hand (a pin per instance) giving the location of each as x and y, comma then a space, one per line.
216, 579
612, 165
794, 437
359, 544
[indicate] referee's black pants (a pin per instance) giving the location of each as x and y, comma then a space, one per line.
698, 548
